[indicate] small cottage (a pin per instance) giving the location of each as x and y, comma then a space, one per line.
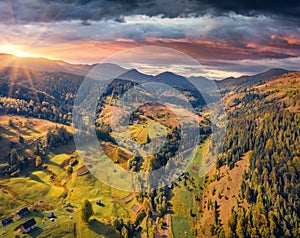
170, 185
82, 171
23, 212
7, 221
28, 226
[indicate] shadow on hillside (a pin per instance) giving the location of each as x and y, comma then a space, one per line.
4, 131
22, 131
36, 232
51, 162
64, 149
102, 229
170, 195
36, 178
33, 130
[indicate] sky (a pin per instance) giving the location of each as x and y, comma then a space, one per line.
228, 38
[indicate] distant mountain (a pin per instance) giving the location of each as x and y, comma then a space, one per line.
44, 65
172, 79
112, 70
182, 84
136, 76
107, 71
250, 80
202, 82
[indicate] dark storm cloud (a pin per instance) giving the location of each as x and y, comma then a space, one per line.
56, 10
252, 7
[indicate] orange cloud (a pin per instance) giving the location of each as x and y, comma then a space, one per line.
92, 51
291, 40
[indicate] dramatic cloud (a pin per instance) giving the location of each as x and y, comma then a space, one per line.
57, 10
233, 36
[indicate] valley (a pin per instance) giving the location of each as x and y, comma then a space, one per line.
251, 191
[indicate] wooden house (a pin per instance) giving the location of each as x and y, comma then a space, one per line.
82, 171
23, 212
7, 221
28, 226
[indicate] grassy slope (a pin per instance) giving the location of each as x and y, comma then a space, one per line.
65, 192
183, 199
226, 193
141, 131
30, 129
39, 187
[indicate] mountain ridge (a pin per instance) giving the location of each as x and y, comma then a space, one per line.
252, 79
55, 66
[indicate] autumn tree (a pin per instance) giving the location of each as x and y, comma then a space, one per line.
38, 161
124, 232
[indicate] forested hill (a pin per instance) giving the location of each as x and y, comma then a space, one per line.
50, 95
46, 95
250, 80
43, 65
263, 136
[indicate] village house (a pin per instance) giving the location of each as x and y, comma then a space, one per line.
23, 212
7, 221
51, 215
28, 226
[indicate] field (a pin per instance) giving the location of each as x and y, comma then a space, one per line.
151, 129
65, 197
52, 189
181, 227
184, 205
31, 129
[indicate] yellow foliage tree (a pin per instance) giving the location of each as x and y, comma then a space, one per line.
38, 161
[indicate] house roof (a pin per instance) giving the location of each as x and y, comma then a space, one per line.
7, 221
82, 171
28, 223
23, 211
51, 215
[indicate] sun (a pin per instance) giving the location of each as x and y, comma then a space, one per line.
21, 54
16, 50
18, 66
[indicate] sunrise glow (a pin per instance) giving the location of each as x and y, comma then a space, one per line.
19, 51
